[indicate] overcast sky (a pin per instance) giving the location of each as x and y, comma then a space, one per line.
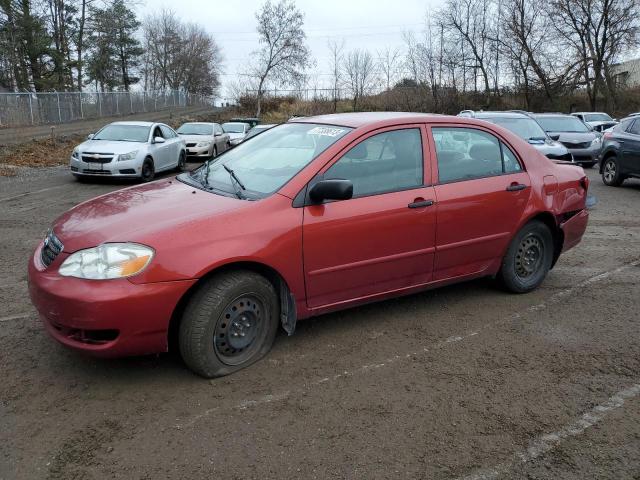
362, 24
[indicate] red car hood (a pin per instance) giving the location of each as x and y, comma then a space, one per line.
136, 214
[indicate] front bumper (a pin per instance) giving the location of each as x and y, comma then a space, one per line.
586, 155
108, 318
199, 151
128, 168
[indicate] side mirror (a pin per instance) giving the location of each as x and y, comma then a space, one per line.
158, 140
555, 136
90, 136
333, 189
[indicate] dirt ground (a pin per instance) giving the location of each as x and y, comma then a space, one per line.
461, 382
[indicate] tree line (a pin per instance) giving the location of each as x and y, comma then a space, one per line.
74, 45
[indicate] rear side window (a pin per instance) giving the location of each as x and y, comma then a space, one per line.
386, 162
467, 153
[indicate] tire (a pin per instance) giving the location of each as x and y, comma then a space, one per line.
214, 152
528, 258
182, 162
148, 170
212, 341
611, 172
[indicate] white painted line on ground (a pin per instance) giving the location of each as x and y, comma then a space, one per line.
15, 317
549, 441
390, 361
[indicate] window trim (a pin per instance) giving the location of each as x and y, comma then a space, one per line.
501, 141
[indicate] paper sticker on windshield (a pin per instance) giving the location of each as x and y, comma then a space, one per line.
326, 131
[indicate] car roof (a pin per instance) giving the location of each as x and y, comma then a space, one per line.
137, 124
235, 123
549, 114
359, 119
498, 114
199, 123
583, 113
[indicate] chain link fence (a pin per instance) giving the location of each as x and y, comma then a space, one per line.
20, 109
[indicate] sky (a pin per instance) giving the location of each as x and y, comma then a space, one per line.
362, 23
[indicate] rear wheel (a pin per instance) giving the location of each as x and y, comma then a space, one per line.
528, 259
611, 172
229, 323
148, 170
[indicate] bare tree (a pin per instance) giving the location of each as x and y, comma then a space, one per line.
359, 71
389, 61
283, 55
335, 61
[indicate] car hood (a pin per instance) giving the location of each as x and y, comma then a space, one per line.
233, 136
553, 148
147, 214
575, 137
196, 138
109, 146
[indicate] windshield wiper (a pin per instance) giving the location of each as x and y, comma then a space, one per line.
237, 184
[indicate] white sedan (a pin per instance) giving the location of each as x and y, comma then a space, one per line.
129, 149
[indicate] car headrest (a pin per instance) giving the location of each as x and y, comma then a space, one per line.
358, 152
485, 151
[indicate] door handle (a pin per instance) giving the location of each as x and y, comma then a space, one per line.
516, 187
421, 203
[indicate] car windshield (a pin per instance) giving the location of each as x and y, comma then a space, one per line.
271, 159
234, 127
195, 129
562, 124
597, 117
123, 133
525, 127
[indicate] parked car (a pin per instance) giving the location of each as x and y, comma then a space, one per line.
599, 121
217, 256
252, 121
258, 129
204, 140
583, 143
527, 129
237, 131
620, 157
129, 149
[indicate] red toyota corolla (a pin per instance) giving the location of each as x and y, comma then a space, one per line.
315, 215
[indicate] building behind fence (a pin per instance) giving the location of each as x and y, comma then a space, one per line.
19, 109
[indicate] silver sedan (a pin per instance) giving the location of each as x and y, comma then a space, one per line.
204, 140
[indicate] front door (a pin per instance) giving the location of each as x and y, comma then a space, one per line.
481, 194
383, 238
630, 145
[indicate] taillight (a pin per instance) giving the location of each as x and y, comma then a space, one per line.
584, 181
607, 135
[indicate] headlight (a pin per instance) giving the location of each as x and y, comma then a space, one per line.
203, 144
596, 141
75, 153
127, 156
106, 261
235, 141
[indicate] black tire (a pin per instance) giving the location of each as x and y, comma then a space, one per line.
148, 170
214, 152
528, 259
213, 341
611, 172
182, 162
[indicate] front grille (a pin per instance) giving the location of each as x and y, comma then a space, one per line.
51, 248
96, 172
191, 144
94, 157
577, 145
567, 157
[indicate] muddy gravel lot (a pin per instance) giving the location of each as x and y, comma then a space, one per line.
461, 382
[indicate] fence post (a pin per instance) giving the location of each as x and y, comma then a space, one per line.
59, 112
144, 96
99, 104
130, 103
30, 106
117, 106
81, 110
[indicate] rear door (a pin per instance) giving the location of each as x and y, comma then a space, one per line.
383, 238
481, 192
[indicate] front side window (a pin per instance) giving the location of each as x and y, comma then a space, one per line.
634, 128
270, 160
386, 162
466, 153
167, 132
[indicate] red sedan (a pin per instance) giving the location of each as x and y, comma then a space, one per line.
315, 215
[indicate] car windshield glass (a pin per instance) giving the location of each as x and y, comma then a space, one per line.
562, 124
195, 129
233, 127
526, 128
271, 159
123, 133
597, 117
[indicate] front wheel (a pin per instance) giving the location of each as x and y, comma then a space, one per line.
528, 259
148, 170
229, 323
611, 172
182, 162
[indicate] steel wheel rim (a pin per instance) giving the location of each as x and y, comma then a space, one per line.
610, 171
239, 329
529, 256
